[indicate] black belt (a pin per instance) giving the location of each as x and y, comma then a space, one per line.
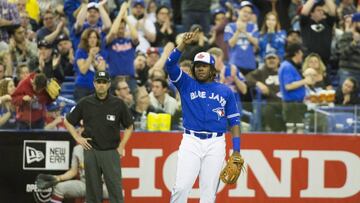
203, 136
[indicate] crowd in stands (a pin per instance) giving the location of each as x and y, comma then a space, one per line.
282, 51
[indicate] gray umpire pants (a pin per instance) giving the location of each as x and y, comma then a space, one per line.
105, 162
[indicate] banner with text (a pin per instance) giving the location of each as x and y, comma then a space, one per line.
280, 168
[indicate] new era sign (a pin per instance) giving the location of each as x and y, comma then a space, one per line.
46, 155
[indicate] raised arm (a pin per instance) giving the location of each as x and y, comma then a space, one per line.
104, 16
81, 17
115, 26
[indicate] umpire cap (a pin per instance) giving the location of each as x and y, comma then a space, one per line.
102, 75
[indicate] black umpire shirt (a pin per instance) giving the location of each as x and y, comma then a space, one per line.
102, 120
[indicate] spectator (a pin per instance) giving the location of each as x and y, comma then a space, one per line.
159, 97
314, 61
66, 52
21, 49
193, 12
348, 93
22, 72
121, 49
49, 62
200, 44
316, 27
229, 75
92, 15
266, 80
142, 106
89, 58
8, 16
272, 38
145, 27
165, 31
25, 23
51, 29
6, 63
30, 98
122, 91
242, 38
293, 37
151, 10
349, 49
152, 56
186, 67
220, 19
72, 182
7, 111
292, 85
53, 119
141, 71
281, 7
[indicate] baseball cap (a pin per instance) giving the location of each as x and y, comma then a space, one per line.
93, 5
62, 37
204, 57
152, 50
356, 17
44, 43
138, 2
271, 54
244, 4
217, 11
102, 75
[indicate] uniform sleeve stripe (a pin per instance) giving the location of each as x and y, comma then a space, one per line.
178, 78
233, 115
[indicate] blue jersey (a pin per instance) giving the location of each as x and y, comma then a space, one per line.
86, 80
121, 56
242, 54
207, 107
272, 42
287, 75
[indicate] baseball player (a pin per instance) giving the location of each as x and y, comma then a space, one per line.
209, 108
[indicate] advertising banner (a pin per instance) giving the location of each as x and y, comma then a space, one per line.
279, 167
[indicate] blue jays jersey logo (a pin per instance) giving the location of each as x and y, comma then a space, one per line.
220, 111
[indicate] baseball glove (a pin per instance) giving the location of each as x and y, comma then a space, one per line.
233, 168
53, 88
45, 181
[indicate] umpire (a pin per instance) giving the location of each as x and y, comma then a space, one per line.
102, 115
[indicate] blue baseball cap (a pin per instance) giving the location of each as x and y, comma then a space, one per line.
244, 4
138, 2
204, 57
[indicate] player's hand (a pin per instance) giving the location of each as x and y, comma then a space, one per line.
84, 142
190, 37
